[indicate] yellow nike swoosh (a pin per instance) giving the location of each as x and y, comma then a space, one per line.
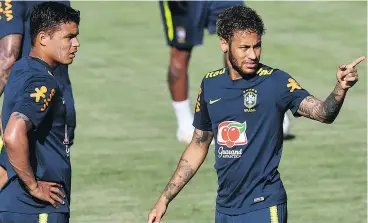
214, 101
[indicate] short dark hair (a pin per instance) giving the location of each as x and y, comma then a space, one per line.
238, 18
48, 16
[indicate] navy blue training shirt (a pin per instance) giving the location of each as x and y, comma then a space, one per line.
246, 117
15, 19
33, 91
18, 22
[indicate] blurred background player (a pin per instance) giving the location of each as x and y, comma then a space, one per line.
15, 43
184, 23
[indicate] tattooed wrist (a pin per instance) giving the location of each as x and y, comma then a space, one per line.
168, 193
331, 108
339, 90
333, 103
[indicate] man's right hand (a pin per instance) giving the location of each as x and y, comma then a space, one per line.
157, 212
48, 191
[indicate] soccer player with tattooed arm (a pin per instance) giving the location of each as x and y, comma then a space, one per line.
242, 107
184, 24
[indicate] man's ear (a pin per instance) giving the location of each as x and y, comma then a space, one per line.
42, 38
224, 45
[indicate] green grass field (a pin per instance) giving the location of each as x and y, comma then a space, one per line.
126, 150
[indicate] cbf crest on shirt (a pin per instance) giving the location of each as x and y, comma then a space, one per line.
246, 118
250, 100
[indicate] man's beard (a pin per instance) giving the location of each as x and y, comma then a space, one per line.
234, 63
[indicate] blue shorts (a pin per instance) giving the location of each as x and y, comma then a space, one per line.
185, 21
274, 214
9, 217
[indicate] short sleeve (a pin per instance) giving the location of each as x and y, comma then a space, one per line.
202, 119
36, 98
291, 92
11, 17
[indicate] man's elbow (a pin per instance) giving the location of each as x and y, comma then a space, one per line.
10, 139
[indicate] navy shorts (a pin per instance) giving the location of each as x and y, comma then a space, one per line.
9, 217
274, 214
185, 21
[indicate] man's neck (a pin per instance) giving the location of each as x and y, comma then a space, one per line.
234, 75
38, 53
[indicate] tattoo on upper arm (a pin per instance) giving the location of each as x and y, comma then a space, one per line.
9, 51
323, 111
202, 136
20, 116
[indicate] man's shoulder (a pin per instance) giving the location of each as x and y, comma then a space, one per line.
21, 64
25, 65
265, 70
19, 71
215, 74
279, 79
274, 73
24, 70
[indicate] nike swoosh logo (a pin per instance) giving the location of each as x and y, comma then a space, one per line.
214, 101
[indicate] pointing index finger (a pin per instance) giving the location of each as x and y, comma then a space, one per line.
357, 61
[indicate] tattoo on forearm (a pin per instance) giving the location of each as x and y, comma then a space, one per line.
185, 171
168, 192
9, 52
182, 175
331, 107
324, 111
20, 116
